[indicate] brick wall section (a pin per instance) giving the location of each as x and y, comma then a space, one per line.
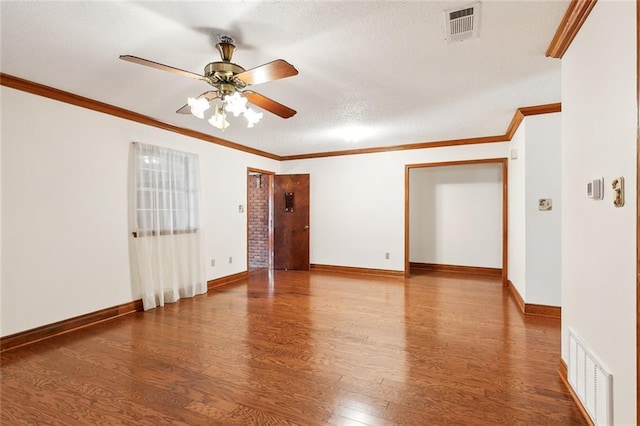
258, 212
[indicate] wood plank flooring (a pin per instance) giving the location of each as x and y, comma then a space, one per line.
304, 348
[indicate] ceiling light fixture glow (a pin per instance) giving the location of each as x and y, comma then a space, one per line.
219, 118
252, 117
198, 106
235, 103
355, 133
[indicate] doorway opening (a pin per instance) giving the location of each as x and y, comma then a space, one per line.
465, 204
277, 221
259, 219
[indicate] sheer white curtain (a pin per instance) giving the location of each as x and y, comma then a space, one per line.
166, 232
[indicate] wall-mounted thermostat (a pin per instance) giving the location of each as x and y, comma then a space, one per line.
594, 189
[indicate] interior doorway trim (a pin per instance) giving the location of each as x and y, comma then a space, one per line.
505, 209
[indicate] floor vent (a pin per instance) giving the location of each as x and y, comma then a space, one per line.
591, 381
462, 23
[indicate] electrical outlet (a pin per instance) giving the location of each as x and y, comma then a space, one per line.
213, 262
230, 259
387, 256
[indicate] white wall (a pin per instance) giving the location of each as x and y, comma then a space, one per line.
64, 208
456, 215
599, 125
517, 239
534, 235
357, 202
543, 177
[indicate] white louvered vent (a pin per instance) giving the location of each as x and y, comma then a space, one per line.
591, 381
462, 23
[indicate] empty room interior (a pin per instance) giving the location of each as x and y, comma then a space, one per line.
319, 212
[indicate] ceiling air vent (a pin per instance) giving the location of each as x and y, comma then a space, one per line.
462, 23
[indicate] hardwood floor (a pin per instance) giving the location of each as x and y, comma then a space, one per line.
302, 348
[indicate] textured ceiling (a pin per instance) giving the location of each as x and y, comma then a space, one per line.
371, 73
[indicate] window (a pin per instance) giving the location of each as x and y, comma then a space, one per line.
164, 211
166, 191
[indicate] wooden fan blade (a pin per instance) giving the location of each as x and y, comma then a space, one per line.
162, 67
211, 95
269, 104
268, 72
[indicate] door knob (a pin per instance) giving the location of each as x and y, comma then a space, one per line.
306, 227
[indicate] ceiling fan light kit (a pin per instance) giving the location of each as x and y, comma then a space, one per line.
234, 103
198, 106
229, 81
219, 118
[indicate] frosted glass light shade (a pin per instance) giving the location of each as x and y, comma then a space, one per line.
252, 117
219, 118
198, 106
235, 104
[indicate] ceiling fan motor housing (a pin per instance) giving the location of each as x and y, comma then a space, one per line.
222, 73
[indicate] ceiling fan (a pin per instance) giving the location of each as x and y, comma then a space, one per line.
229, 82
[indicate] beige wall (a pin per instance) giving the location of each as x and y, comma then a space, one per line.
599, 127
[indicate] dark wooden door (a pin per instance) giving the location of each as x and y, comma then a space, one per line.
291, 222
